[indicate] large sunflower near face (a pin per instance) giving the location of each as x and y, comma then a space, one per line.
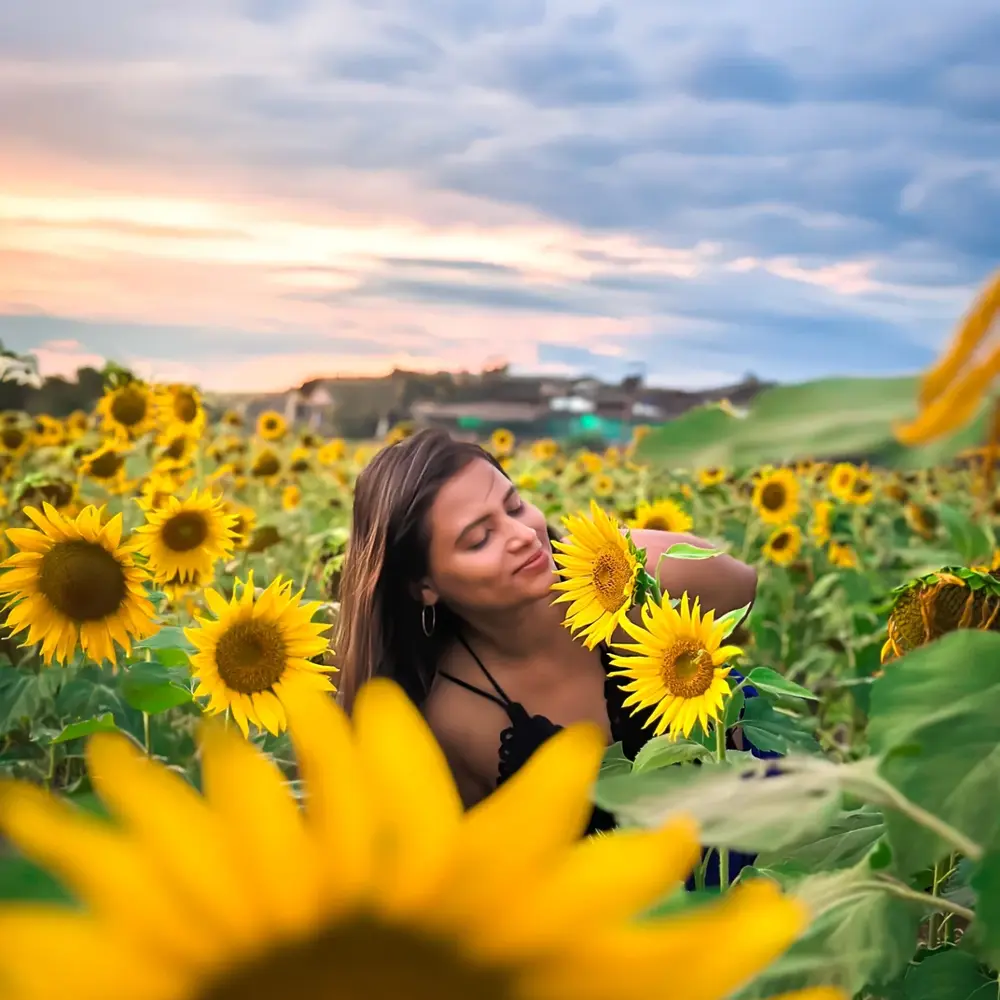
72, 583
271, 426
599, 565
776, 496
257, 652
379, 887
128, 411
664, 515
676, 667
186, 537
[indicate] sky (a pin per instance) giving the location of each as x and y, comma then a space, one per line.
248, 193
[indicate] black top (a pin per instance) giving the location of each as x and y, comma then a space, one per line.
526, 733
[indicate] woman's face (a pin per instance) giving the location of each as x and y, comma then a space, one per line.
489, 549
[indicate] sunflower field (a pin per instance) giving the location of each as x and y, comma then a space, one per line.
170, 571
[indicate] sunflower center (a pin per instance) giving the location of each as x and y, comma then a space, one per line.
129, 407
611, 575
185, 531
348, 962
780, 542
251, 656
106, 465
688, 670
82, 580
12, 438
185, 407
267, 465
772, 496
176, 448
657, 523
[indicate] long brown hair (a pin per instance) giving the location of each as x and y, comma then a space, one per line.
380, 630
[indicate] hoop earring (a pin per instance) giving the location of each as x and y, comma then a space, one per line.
428, 627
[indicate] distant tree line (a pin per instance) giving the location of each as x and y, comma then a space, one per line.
54, 395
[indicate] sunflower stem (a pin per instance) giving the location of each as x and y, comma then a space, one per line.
145, 734
720, 753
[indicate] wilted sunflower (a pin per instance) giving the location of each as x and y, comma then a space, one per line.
271, 426
39, 489
128, 411
258, 650
676, 666
944, 601
263, 538
266, 466
921, 519
185, 537
180, 410
842, 555
776, 496
239, 891
73, 584
15, 440
819, 527
502, 441
841, 480
784, 544
291, 497
711, 476
106, 465
600, 567
603, 486
664, 515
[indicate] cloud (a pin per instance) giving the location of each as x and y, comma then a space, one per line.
694, 189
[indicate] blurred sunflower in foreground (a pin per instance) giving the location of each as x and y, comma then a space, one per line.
381, 888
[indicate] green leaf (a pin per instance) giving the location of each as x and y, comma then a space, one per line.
24, 881
615, 761
949, 974
152, 688
967, 538
100, 724
662, 751
772, 731
168, 637
844, 843
734, 705
860, 936
940, 704
732, 619
683, 550
986, 883
766, 679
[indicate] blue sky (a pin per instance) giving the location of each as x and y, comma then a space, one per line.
250, 192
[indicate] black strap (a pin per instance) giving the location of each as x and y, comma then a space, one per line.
474, 689
482, 666
500, 698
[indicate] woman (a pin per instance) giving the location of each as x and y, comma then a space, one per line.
446, 588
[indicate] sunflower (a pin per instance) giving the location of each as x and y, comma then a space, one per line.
589, 463
676, 666
185, 537
527, 481
784, 544
15, 440
600, 565
48, 432
332, 452
502, 441
862, 490
819, 527
244, 519
603, 486
40, 489
233, 419
544, 450
291, 497
128, 411
266, 466
239, 891
842, 556
664, 515
842, 479
180, 410
106, 465
73, 584
612, 457
921, 519
711, 476
776, 496
300, 460
263, 538
257, 651
77, 424
271, 426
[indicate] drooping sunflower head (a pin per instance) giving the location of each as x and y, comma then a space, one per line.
128, 411
74, 585
40, 489
186, 537
106, 465
944, 601
264, 537
271, 426
676, 666
663, 515
502, 441
600, 567
776, 496
712, 476
266, 465
841, 480
784, 544
257, 648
